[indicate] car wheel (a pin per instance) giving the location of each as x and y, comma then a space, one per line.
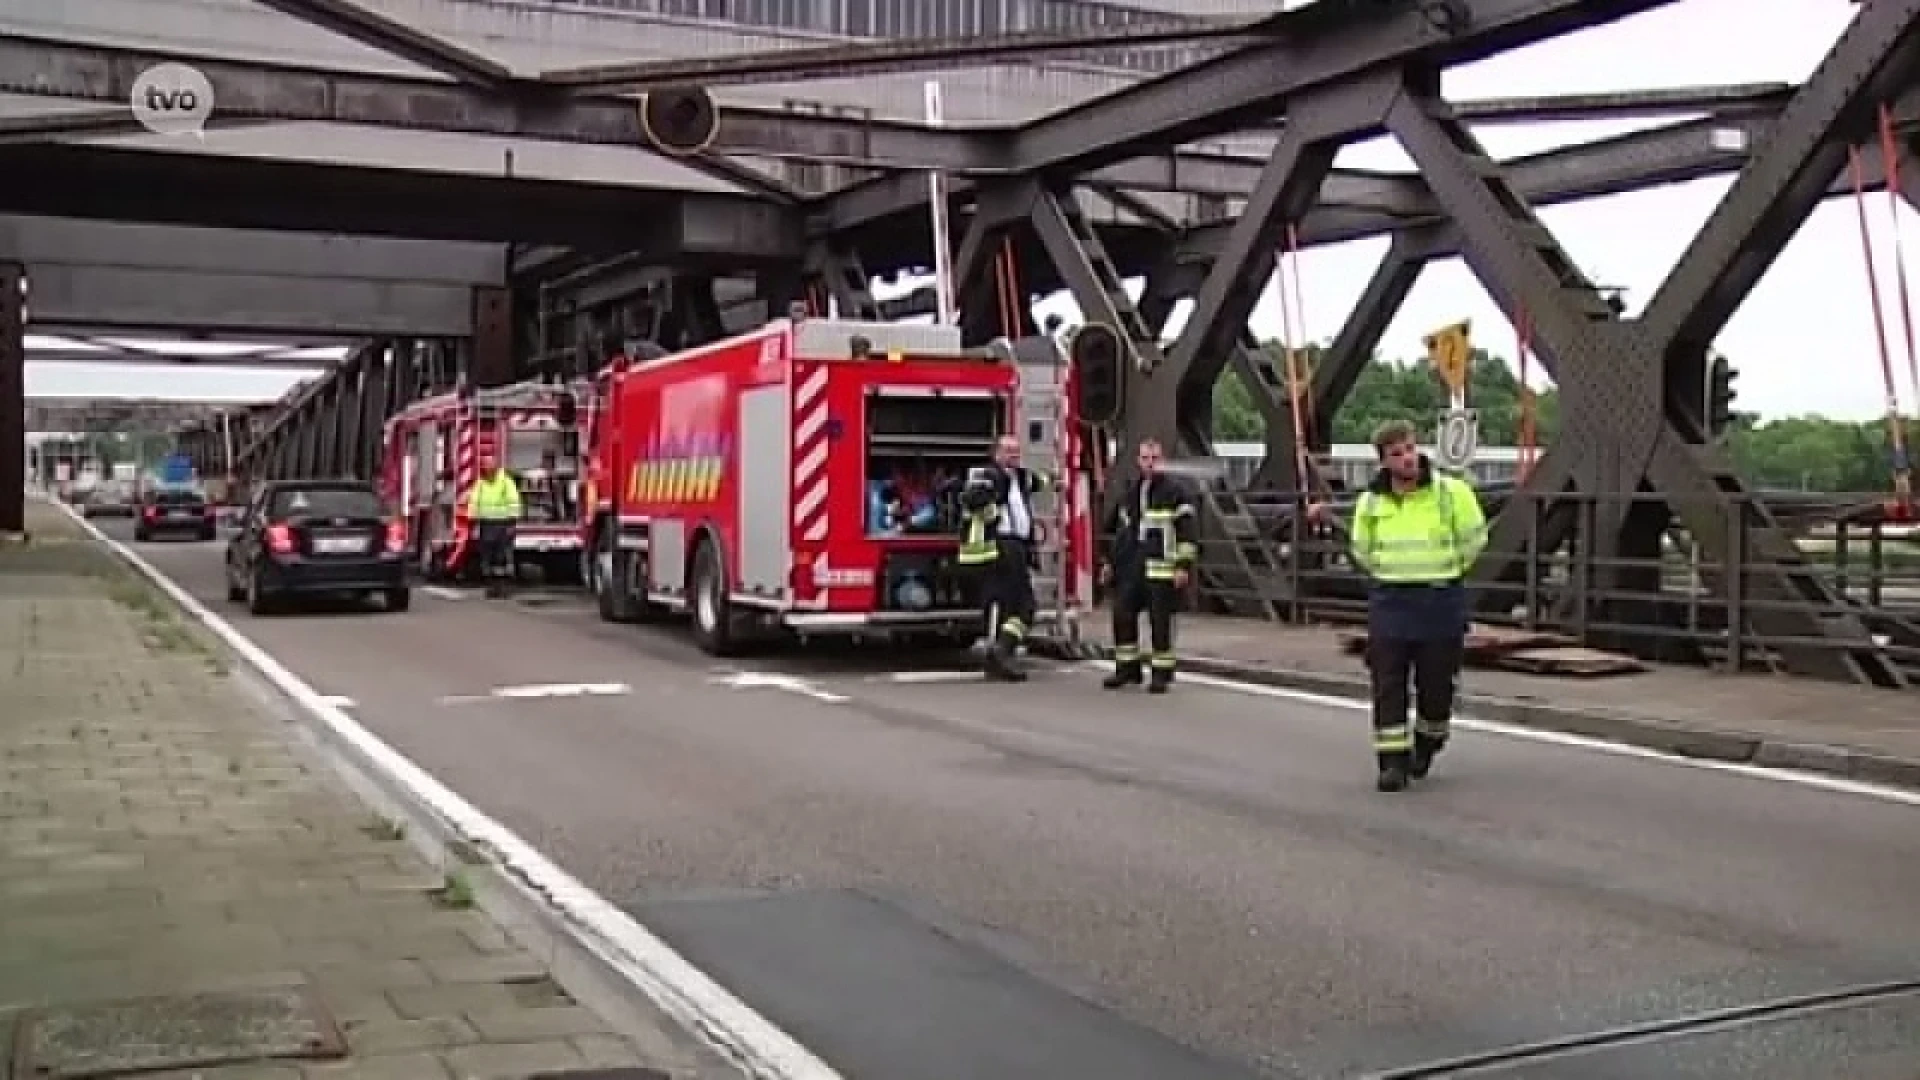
142, 536
399, 599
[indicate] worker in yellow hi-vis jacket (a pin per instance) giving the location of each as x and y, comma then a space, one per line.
1415, 533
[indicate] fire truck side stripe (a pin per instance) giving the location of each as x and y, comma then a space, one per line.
810, 457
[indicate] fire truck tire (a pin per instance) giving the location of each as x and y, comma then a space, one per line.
714, 628
612, 581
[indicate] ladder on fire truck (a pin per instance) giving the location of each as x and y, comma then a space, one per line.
1041, 420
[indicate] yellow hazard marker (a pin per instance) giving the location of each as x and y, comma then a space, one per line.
1450, 351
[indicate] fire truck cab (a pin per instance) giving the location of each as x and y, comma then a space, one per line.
802, 478
432, 451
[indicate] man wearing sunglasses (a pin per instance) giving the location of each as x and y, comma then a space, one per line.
1416, 533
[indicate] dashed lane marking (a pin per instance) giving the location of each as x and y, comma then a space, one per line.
790, 684
541, 691
443, 593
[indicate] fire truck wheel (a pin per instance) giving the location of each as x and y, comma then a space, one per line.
713, 625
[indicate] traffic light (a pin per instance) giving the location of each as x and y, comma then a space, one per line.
1096, 353
1720, 395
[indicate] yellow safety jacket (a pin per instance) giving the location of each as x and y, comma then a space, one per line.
983, 501
1153, 529
495, 499
1430, 534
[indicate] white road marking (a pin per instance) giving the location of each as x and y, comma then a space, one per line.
544, 691
927, 677
1837, 784
443, 592
685, 993
757, 680
337, 701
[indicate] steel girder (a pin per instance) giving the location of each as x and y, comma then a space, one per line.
1626, 427
1318, 46
220, 191
95, 275
13, 397
1355, 205
250, 92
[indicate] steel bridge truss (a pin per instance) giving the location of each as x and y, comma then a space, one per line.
1313, 81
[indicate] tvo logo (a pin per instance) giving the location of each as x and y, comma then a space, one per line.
172, 99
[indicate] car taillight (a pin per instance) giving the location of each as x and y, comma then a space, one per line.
396, 536
150, 513
279, 539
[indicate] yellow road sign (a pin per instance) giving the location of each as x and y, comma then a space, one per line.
1450, 350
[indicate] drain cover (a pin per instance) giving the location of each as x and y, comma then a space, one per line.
100, 1040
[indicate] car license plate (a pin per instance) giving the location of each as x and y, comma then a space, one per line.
339, 545
181, 514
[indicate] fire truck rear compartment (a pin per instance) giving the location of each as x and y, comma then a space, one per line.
919, 444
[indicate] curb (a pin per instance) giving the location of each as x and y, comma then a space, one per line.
606, 958
1734, 747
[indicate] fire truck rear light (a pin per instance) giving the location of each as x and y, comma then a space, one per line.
279, 539
1899, 511
396, 536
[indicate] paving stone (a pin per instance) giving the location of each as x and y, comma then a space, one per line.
512, 1061
407, 1066
520, 1025
160, 834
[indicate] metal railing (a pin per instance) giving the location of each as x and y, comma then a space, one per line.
1834, 590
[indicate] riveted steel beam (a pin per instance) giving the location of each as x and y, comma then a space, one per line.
1622, 428
1316, 46
1319, 124
395, 38
111, 184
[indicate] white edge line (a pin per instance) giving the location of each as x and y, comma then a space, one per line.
1800, 777
685, 993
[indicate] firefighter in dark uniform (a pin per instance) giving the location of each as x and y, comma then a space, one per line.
997, 534
1152, 553
1416, 532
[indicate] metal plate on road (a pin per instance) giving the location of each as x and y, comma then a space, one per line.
878, 990
1458, 440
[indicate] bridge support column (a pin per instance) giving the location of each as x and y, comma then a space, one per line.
13, 397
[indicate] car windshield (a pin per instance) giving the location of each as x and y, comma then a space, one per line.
354, 502
177, 498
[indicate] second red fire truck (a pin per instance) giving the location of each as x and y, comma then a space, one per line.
799, 478
432, 452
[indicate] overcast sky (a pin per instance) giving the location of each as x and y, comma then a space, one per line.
1790, 361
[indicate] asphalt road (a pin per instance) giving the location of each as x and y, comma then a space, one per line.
911, 870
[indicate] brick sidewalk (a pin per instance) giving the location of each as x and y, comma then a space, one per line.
162, 834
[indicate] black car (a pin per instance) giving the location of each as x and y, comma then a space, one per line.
175, 512
317, 537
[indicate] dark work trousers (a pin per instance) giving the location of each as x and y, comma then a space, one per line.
1134, 595
496, 551
1007, 594
1417, 634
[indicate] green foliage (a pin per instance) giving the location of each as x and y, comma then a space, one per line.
1394, 391
1808, 452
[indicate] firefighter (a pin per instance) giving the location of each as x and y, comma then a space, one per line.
1152, 554
1415, 533
997, 531
494, 507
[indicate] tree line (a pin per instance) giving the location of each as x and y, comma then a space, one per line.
1811, 453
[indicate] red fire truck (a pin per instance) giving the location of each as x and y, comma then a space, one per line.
431, 458
800, 478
